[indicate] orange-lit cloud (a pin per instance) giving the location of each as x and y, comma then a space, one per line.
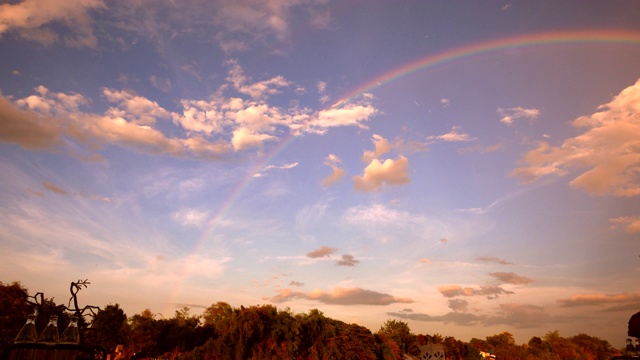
337, 172
382, 146
377, 174
606, 153
631, 224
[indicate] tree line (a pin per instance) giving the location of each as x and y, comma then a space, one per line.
266, 332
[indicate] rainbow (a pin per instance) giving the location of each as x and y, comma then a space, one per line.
526, 40
606, 36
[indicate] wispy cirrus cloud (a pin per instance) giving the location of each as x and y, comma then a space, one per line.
452, 136
494, 259
35, 20
511, 278
613, 302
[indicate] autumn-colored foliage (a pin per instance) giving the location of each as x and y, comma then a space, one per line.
265, 332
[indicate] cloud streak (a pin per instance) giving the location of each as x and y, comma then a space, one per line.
341, 296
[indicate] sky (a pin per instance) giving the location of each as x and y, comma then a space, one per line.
466, 167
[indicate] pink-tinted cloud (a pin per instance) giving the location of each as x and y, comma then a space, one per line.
490, 291
54, 188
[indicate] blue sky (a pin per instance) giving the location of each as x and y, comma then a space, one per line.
183, 153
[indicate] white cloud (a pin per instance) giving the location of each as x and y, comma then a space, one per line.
135, 109
190, 217
451, 136
349, 115
258, 90
608, 149
511, 114
201, 116
244, 139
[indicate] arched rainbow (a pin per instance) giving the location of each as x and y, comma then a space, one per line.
591, 36
526, 40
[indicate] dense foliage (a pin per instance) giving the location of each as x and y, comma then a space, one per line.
264, 332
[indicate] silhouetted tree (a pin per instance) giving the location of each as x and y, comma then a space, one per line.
399, 331
14, 310
110, 327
